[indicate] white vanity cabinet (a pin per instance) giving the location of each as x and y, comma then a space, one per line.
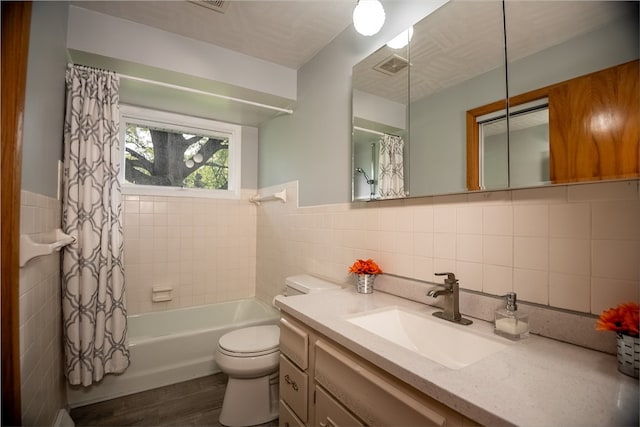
339, 388
294, 380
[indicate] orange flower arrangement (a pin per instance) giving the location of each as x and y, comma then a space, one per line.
365, 267
622, 319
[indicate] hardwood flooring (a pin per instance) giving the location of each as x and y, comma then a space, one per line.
191, 403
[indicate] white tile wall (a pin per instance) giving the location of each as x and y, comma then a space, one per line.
574, 247
42, 377
205, 249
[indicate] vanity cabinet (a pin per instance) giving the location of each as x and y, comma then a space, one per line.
329, 412
336, 387
293, 378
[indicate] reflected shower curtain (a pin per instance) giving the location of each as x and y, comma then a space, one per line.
391, 167
93, 298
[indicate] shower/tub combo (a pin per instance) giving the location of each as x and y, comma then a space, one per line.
173, 346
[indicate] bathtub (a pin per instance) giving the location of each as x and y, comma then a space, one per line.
173, 346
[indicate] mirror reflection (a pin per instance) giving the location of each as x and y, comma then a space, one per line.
457, 63
572, 90
522, 158
380, 120
584, 66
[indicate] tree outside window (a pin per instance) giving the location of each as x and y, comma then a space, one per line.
169, 158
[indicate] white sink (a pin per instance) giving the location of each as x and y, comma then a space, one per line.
448, 344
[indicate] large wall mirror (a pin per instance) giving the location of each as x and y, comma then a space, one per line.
571, 78
380, 123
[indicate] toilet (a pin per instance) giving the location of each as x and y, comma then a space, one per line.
250, 357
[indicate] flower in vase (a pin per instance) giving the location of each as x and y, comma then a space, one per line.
622, 319
365, 267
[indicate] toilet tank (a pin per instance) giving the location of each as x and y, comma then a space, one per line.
305, 284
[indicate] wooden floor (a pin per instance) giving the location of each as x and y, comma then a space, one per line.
192, 403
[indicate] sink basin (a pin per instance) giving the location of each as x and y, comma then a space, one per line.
447, 344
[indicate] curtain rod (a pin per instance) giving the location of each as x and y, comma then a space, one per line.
375, 132
202, 92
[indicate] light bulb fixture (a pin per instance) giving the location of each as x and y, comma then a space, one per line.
198, 158
368, 17
189, 163
402, 39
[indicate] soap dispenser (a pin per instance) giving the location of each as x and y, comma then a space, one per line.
511, 323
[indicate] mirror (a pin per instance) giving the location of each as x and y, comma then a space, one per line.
580, 67
380, 123
458, 75
457, 63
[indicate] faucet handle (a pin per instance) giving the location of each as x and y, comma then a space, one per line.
451, 278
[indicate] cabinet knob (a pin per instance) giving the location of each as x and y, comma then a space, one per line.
290, 382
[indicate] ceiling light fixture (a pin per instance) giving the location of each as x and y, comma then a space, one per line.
402, 39
368, 17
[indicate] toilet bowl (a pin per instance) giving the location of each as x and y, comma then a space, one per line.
250, 357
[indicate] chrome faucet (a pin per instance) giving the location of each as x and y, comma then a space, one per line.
451, 293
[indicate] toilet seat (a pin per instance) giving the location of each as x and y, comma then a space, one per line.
250, 342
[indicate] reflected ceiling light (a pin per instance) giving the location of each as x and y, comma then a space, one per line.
402, 39
368, 17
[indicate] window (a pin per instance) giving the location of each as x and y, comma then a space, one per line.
172, 154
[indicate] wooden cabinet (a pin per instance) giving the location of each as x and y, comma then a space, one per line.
294, 386
339, 388
287, 417
294, 379
593, 126
331, 413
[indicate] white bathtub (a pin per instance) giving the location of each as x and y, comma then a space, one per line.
174, 345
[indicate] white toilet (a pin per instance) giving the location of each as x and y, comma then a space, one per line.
250, 357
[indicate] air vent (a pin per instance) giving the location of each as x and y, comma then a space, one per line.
217, 5
392, 65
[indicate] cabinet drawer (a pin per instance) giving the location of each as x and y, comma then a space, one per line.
330, 413
294, 342
287, 417
376, 398
293, 388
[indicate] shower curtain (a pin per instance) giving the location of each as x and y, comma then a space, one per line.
391, 167
93, 297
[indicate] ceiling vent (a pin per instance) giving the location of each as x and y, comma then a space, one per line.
217, 5
392, 65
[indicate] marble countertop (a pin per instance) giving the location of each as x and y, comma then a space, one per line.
533, 382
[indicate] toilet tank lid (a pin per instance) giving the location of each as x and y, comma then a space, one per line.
308, 284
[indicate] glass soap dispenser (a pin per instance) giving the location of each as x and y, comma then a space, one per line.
511, 323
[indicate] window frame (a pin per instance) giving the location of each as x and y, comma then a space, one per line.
189, 125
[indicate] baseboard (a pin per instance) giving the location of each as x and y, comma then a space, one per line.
63, 419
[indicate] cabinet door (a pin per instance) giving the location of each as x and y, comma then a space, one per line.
294, 343
376, 398
293, 387
287, 417
330, 413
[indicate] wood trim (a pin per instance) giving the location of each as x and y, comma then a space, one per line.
473, 141
16, 24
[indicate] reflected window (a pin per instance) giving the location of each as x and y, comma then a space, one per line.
516, 155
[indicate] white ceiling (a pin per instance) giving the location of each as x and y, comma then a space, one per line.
288, 32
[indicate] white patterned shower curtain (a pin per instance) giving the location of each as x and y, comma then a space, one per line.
93, 298
391, 167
